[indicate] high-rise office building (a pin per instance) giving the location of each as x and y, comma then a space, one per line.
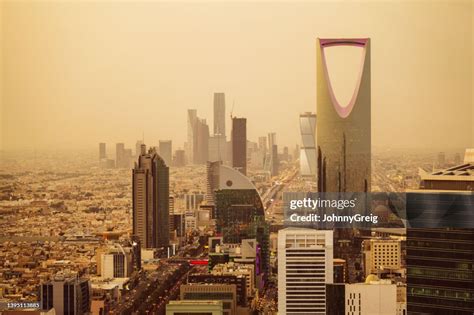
192, 119
305, 265
271, 163
308, 157
271, 139
165, 148
239, 211
343, 130
102, 151
239, 144
201, 142
151, 200
275, 161
440, 269
67, 294
219, 114
236, 210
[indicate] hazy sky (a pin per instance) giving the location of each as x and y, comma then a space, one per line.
75, 73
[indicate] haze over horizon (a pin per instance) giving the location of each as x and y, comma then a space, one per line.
77, 73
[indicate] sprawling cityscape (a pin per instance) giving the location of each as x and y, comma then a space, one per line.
157, 231
203, 227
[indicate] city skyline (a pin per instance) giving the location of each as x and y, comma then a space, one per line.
244, 158
88, 88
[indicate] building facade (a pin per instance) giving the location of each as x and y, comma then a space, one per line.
219, 114
67, 294
305, 265
308, 157
343, 130
239, 144
151, 200
166, 149
440, 261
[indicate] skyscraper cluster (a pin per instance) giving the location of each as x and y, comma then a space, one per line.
201, 145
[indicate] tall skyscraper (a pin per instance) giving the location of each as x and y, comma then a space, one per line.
271, 139
201, 142
271, 161
305, 265
239, 144
192, 118
67, 294
102, 151
343, 130
275, 162
219, 114
151, 200
308, 156
165, 147
440, 274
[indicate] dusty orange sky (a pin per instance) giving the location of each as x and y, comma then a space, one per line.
74, 73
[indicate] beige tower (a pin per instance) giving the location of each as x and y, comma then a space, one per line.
343, 130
